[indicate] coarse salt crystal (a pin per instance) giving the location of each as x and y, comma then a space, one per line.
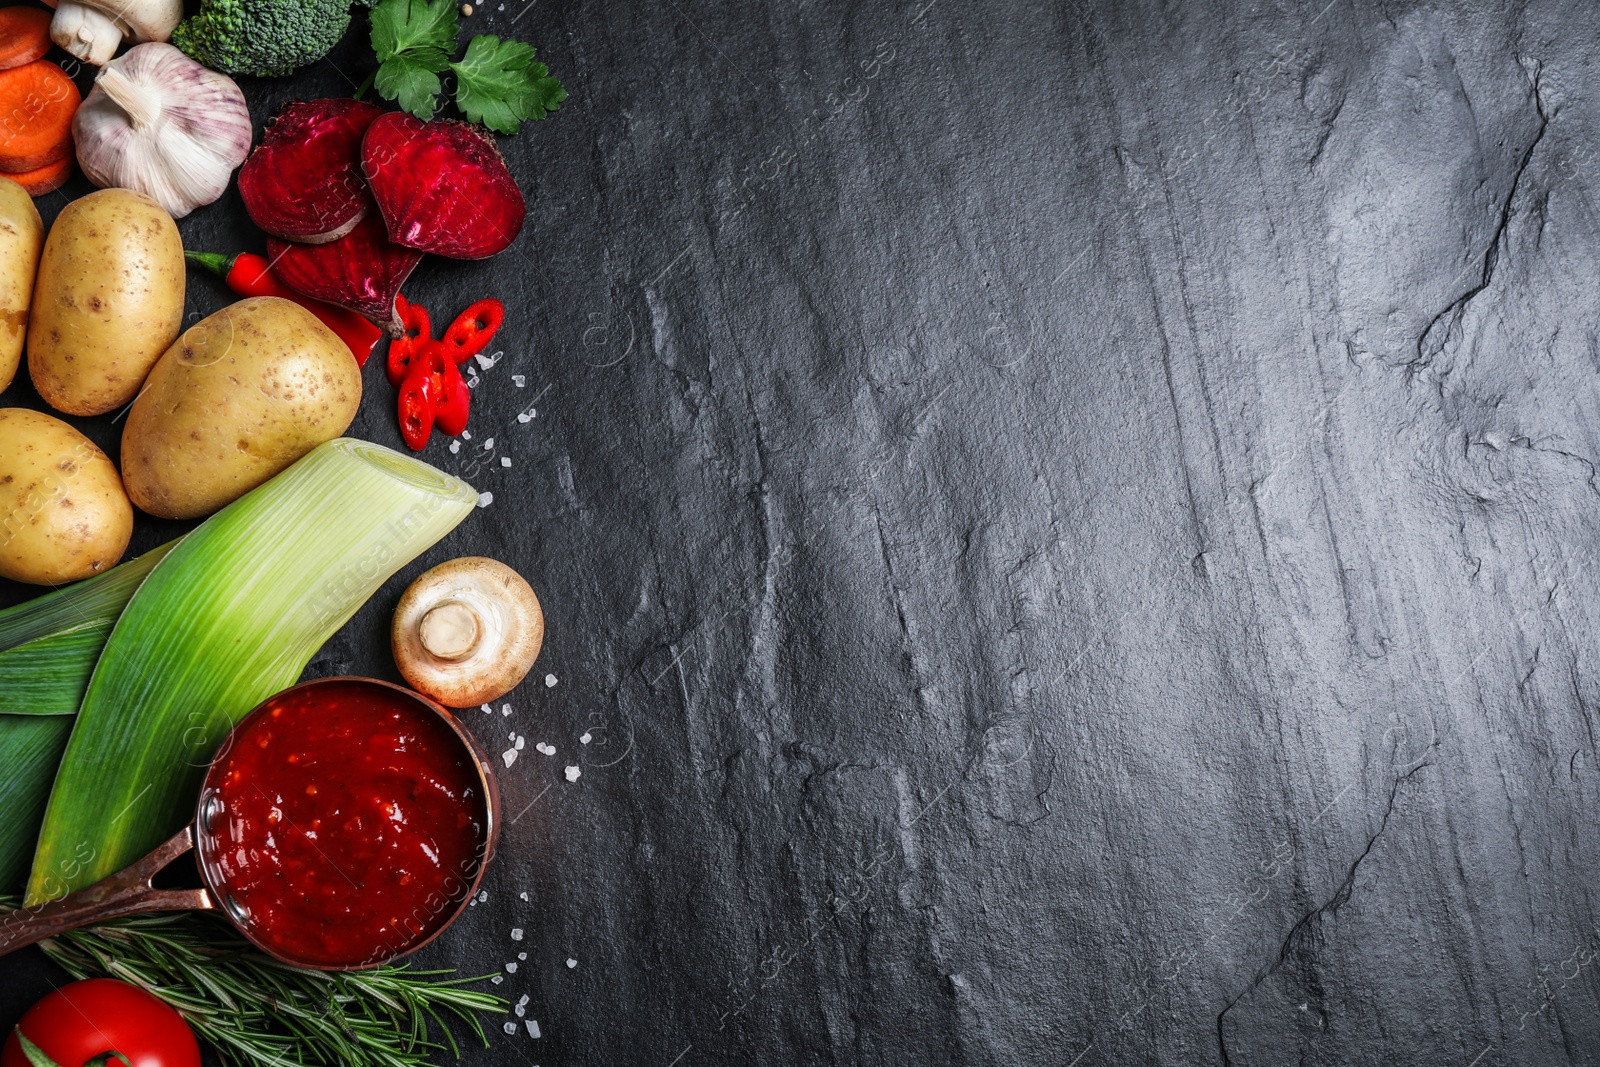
548, 750
511, 1028
455, 447
488, 446
519, 380
505, 709
522, 955
572, 772
533, 1027
516, 932
523, 417
486, 709
497, 979
466, 435
523, 895
485, 499
483, 895
505, 461
522, 1002
520, 742
511, 968
549, 681
571, 963
509, 755
585, 739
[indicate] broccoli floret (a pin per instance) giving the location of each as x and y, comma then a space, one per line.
265, 37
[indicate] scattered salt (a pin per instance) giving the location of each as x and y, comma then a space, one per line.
585, 739
505, 709
505, 461
455, 447
511, 1028
509, 755
520, 742
544, 749
523, 895
497, 979
487, 710
522, 955
511, 968
523, 417
571, 963
522, 1002
519, 380
516, 932
572, 772
549, 681
483, 895
485, 499
466, 435
533, 1028
488, 446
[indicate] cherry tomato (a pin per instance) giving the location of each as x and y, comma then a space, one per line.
80, 1021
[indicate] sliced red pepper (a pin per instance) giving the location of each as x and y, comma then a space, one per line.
452, 398
473, 329
404, 350
251, 275
417, 407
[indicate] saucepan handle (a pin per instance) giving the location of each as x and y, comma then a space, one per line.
127, 892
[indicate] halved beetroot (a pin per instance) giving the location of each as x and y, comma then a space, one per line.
363, 270
304, 183
441, 186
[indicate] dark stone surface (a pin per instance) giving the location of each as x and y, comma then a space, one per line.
1070, 528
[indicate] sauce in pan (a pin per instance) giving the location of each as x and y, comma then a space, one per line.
343, 825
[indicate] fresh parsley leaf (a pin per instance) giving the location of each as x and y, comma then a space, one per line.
499, 84
414, 40
411, 84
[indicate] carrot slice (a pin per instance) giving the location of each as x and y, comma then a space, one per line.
37, 102
47, 179
24, 35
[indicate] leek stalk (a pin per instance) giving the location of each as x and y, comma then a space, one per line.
50, 645
231, 615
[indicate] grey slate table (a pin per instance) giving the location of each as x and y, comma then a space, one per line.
1070, 530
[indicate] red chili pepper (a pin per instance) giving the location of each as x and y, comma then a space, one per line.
251, 275
473, 328
404, 350
452, 398
416, 407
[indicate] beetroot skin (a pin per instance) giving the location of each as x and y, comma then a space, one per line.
304, 182
441, 186
362, 270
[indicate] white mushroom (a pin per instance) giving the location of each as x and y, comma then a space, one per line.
467, 631
93, 30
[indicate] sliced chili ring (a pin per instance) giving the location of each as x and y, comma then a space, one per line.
453, 401
417, 407
405, 349
472, 330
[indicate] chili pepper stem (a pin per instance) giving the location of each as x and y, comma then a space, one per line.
216, 262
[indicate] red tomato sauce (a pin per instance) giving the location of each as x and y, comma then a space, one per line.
343, 825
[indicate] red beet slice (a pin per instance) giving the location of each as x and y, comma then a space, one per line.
362, 270
441, 186
304, 182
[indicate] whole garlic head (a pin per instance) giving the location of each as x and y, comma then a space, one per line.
159, 123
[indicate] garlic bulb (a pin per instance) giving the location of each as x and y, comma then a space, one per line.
160, 123
93, 30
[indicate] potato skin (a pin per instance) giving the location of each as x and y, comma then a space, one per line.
107, 301
63, 514
239, 397
21, 237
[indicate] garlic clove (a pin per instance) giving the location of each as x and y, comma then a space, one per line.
160, 123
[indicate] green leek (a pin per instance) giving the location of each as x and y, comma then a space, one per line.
232, 615
50, 647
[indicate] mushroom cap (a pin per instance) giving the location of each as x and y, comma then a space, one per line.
467, 631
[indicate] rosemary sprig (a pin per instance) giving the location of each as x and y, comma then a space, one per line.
258, 1012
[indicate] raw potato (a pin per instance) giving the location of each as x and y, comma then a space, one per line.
239, 397
107, 301
21, 235
63, 514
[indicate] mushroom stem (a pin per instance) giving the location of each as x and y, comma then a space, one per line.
86, 32
450, 630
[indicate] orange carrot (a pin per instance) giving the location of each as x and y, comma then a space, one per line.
47, 179
37, 102
24, 35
